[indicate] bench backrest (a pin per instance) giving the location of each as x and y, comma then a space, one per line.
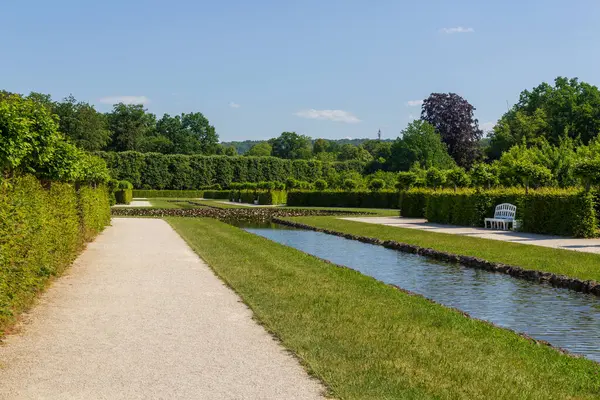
505, 211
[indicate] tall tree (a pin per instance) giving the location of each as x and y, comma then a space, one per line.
292, 146
130, 126
420, 144
197, 126
569, 109
82, 124
452, 117
321, 146
263, 149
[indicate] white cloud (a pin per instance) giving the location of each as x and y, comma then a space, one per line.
487, 126
125, 100
458, 29
331, 115
414, 103
234, 105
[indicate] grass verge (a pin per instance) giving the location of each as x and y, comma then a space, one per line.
367, 340
584, 266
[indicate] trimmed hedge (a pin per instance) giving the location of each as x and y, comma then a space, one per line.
548, 211
273, 197
41, 232
217, 194
183, 172
124, 192
184, 194
413, 202
331, 198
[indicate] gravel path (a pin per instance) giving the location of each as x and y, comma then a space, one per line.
141, 316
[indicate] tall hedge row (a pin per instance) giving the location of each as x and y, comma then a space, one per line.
181, 172
332, 198
562, 212
186, 194
42, 229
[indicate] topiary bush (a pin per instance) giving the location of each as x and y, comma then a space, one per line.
333, 198
124, 192
376, 185
320, 184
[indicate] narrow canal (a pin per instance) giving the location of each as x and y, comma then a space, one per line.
564, 318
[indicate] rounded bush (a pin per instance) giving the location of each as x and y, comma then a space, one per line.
377, 184
321, 184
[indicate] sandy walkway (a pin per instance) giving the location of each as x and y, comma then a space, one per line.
135, 203
140, 316
557, 242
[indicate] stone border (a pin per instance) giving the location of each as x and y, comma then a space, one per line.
560, 281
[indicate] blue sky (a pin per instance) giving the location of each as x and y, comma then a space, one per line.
326, 68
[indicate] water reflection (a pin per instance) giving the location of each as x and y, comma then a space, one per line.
565, 318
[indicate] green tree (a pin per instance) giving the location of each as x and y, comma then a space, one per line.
263, 149
82, 124
29, 133
484, 175
130, 125
406, 180
570, 108
199, 129
290, 145
421, 144
376, 185
435, 178
321, 146
457, 177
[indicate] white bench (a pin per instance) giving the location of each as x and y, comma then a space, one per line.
504, 216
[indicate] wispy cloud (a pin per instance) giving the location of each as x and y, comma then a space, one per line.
458, 29
125, 100
487, 126
414, 103
331, 115
234, 105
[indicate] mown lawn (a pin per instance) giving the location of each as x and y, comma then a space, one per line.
565, 262
367, 340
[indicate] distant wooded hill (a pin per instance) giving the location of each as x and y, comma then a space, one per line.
244, 146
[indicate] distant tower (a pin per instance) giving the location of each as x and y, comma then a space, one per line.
379, 135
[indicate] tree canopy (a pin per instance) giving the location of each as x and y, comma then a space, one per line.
420, 144
570, 109
453, 118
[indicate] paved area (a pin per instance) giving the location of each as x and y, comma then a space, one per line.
140, 316
559, 242
135, 203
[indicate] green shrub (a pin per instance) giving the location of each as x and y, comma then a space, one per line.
350, 184
123, 192
178, 172
331, 198
376, 185
217, 194
320, 184
184, 194
41, 232
412, 202
563, 212
273, 197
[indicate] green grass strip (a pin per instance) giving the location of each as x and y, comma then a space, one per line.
367, 340
584, 266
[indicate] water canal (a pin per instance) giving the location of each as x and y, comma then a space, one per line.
564, 318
